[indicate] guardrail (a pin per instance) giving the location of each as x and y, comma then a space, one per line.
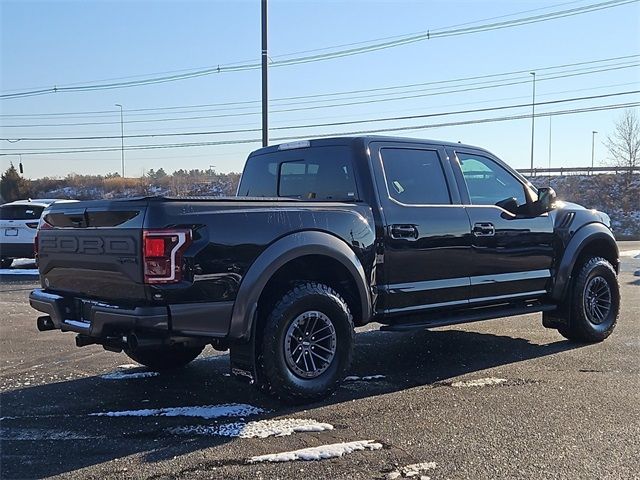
576, 171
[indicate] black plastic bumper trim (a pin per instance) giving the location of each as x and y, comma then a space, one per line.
210, 319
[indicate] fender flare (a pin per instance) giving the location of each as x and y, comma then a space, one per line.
278, 254
582, 237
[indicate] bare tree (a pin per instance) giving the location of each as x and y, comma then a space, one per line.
624, 144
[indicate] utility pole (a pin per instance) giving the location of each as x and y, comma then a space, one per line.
593, 138
121, 136
550, 116
265, 77
533, 116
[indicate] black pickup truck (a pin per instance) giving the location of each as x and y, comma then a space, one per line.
324, 236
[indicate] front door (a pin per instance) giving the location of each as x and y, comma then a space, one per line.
427, 244
512, 250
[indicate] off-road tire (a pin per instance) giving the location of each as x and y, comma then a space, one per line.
278, 377
581, 328
166, 357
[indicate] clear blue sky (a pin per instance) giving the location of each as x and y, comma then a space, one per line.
61, 43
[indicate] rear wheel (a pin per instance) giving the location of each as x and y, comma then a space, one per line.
6, 262
595, 303
165, 357
307, 343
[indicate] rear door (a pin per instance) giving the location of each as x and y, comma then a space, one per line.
512, 253
18, 224
427, 244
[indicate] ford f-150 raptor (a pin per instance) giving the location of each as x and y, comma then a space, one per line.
324, 236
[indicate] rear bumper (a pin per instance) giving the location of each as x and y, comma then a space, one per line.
99, 319
17, 250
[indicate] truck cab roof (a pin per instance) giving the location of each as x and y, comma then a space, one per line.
358, 140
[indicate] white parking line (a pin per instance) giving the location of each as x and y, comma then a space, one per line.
18, 271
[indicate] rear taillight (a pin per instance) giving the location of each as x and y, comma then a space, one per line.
162, 253
42, 225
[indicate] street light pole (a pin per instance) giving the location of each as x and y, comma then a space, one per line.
121, 136
593, 137
533, 116
265, 59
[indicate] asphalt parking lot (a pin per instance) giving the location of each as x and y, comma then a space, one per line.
541, 407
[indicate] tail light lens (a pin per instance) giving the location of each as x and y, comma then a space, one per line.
42, 225
162, 253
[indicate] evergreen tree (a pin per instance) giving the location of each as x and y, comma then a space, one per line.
13, 186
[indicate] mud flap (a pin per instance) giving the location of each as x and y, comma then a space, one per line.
561, 316
243, 358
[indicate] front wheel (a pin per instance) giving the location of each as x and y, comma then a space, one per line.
595, 303
165, 357
307, 343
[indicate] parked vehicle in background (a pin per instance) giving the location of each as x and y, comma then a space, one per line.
18, 226
325, 235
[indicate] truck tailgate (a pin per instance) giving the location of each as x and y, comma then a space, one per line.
93, 249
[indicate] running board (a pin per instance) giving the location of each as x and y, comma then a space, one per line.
469, 316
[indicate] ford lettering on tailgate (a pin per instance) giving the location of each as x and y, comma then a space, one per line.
88, 245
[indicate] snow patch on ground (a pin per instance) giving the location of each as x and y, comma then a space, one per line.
127, 366
355, 378
128, 376
322, 452
479, 382
412, 470
630, 253
205, 411
258, 429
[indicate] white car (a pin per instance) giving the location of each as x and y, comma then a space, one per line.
18, 226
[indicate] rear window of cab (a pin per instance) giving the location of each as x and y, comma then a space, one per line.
311, 174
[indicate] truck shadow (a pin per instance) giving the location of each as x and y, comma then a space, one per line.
55, 418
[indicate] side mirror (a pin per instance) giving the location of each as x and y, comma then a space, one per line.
509, 204
546, 199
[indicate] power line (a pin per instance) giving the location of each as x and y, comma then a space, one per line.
34, 151
404, 111
467, 88
376, 45
363, 42
136, 111
334, 124
358, 132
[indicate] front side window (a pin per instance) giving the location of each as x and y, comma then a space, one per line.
415, 177
488, 182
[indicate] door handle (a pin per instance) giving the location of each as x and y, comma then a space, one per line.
483, 230
404, 231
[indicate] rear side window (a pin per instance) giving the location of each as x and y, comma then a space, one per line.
316, 174
20, 212
415, 177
